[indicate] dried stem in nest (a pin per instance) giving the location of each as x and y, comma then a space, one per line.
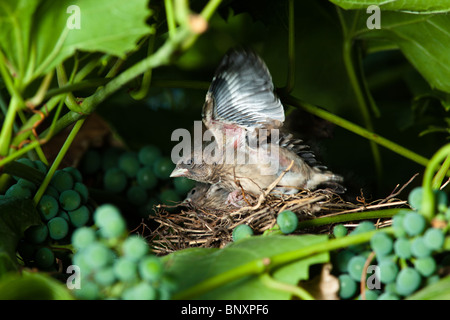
203, 227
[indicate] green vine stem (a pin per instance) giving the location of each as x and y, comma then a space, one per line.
356, 129
326, 220
170, 17
349, 56
285, 287
428, 201
440, 175
59, 158
142, 92
291, 49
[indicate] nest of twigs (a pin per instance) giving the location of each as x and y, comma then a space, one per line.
203, 227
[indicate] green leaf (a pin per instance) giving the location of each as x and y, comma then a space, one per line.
36, 37
237, 267
15, 28
32, 286
436, 291
15, 217
423, 39
417, 6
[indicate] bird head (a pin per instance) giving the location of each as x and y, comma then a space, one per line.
194, 170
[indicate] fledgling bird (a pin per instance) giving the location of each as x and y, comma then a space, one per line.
207, 196
240, 105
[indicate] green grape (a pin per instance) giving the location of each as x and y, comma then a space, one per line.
137, 195
388, 296
347, 286
134, 247
342, 260
287, 221
82, 190
183, 185
108, 218
356, 266
26, 250
434, 238
339, 231
362, 227
242, 231
148, 208
151, 268
388, 271
408, 280
63, 214
79, 217
441, 200
62, 181
114, 180
414, 223
167, 285
169, 197
433, 279
402, 248
415, 198
148, 155
146, 178
97, 255
36, 234
141, 291
18, 191
105, 276
42, 167
58, 228
163, 167
110, 158
69, 200
391, 288
75, 173
88, 291
26, 162
44, 257
419, 249
426, 266
82, 237
447, 214
129, 163
397, 224
27, 184
91, 162
48, 207
51, 191
370, 295
381, 243
125, 269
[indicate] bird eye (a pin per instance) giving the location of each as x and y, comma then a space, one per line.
193, 191
189, 162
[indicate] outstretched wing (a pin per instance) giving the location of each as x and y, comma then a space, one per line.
242, 93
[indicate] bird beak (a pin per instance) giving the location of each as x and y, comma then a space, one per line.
180, 172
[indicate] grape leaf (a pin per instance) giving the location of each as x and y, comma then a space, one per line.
32, 286
37, 35
16, 215
193, 266
418, 6
423, 39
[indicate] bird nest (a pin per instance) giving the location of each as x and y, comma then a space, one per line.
202, 227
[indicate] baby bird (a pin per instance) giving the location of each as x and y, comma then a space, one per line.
249, 151
207, 196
